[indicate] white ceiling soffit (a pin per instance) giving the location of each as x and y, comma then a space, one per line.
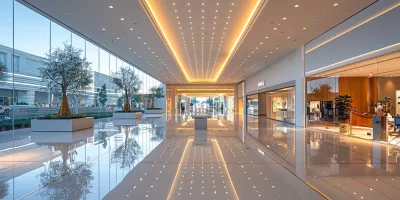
279, 28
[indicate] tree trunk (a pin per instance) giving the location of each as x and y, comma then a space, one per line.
127, 106
152, 103
64, 109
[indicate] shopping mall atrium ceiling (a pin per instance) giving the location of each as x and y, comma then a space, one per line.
198, 41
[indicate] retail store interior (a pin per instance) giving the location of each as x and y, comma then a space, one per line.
374, 87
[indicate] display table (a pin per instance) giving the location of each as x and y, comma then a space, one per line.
200, 129
200, 121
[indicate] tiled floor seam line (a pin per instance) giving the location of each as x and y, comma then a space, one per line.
374, 188
395, 164
366, 140
309, 185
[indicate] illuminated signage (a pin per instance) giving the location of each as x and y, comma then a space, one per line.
260, 84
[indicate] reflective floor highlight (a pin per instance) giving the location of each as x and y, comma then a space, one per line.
157, 158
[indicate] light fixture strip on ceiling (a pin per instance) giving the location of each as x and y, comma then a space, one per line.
153, 15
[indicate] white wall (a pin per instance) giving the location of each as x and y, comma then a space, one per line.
375, 29
288, 68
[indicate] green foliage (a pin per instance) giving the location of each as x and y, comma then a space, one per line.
343, 106
130, 111
102, 95
119, 102
127, 81
62, 117
6, 125
2, 72
210, 101
64, 70
156, 92
137, 98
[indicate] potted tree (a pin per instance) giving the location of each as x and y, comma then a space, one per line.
126, 81
154, 93
65, 71
343, 106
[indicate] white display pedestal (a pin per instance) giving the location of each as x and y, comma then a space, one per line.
200, 121
200, 128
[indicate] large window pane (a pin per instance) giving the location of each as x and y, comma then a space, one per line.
6, 24
32, 31
78, 43
113, 64
104, 62
92, 55
59, 36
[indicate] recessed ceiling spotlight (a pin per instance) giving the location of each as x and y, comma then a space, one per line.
304, 28
173, 3
130, 48
144, 42
177, 17
176, 11
232, 4
284, 18
275, 29
296, 6
336, 4
288, 37
122, 19
202, 17
111, 6
261, 43
117, 38
103, 29
216, 10
230, 10
131, 29
266, 37
188, 4
202, 4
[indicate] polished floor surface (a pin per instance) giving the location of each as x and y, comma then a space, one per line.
158, 158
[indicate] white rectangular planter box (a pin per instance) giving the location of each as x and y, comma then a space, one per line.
61, 125
156, 111
127, 115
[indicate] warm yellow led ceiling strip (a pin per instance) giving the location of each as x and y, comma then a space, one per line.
238, 39
154, 16
146, 4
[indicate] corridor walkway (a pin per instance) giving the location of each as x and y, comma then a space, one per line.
156, 158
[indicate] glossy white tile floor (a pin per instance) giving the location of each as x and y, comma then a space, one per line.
225, 168
156, 158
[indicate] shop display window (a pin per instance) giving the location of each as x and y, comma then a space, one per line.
374, 89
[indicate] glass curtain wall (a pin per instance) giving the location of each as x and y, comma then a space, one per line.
26, 38
374, 89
